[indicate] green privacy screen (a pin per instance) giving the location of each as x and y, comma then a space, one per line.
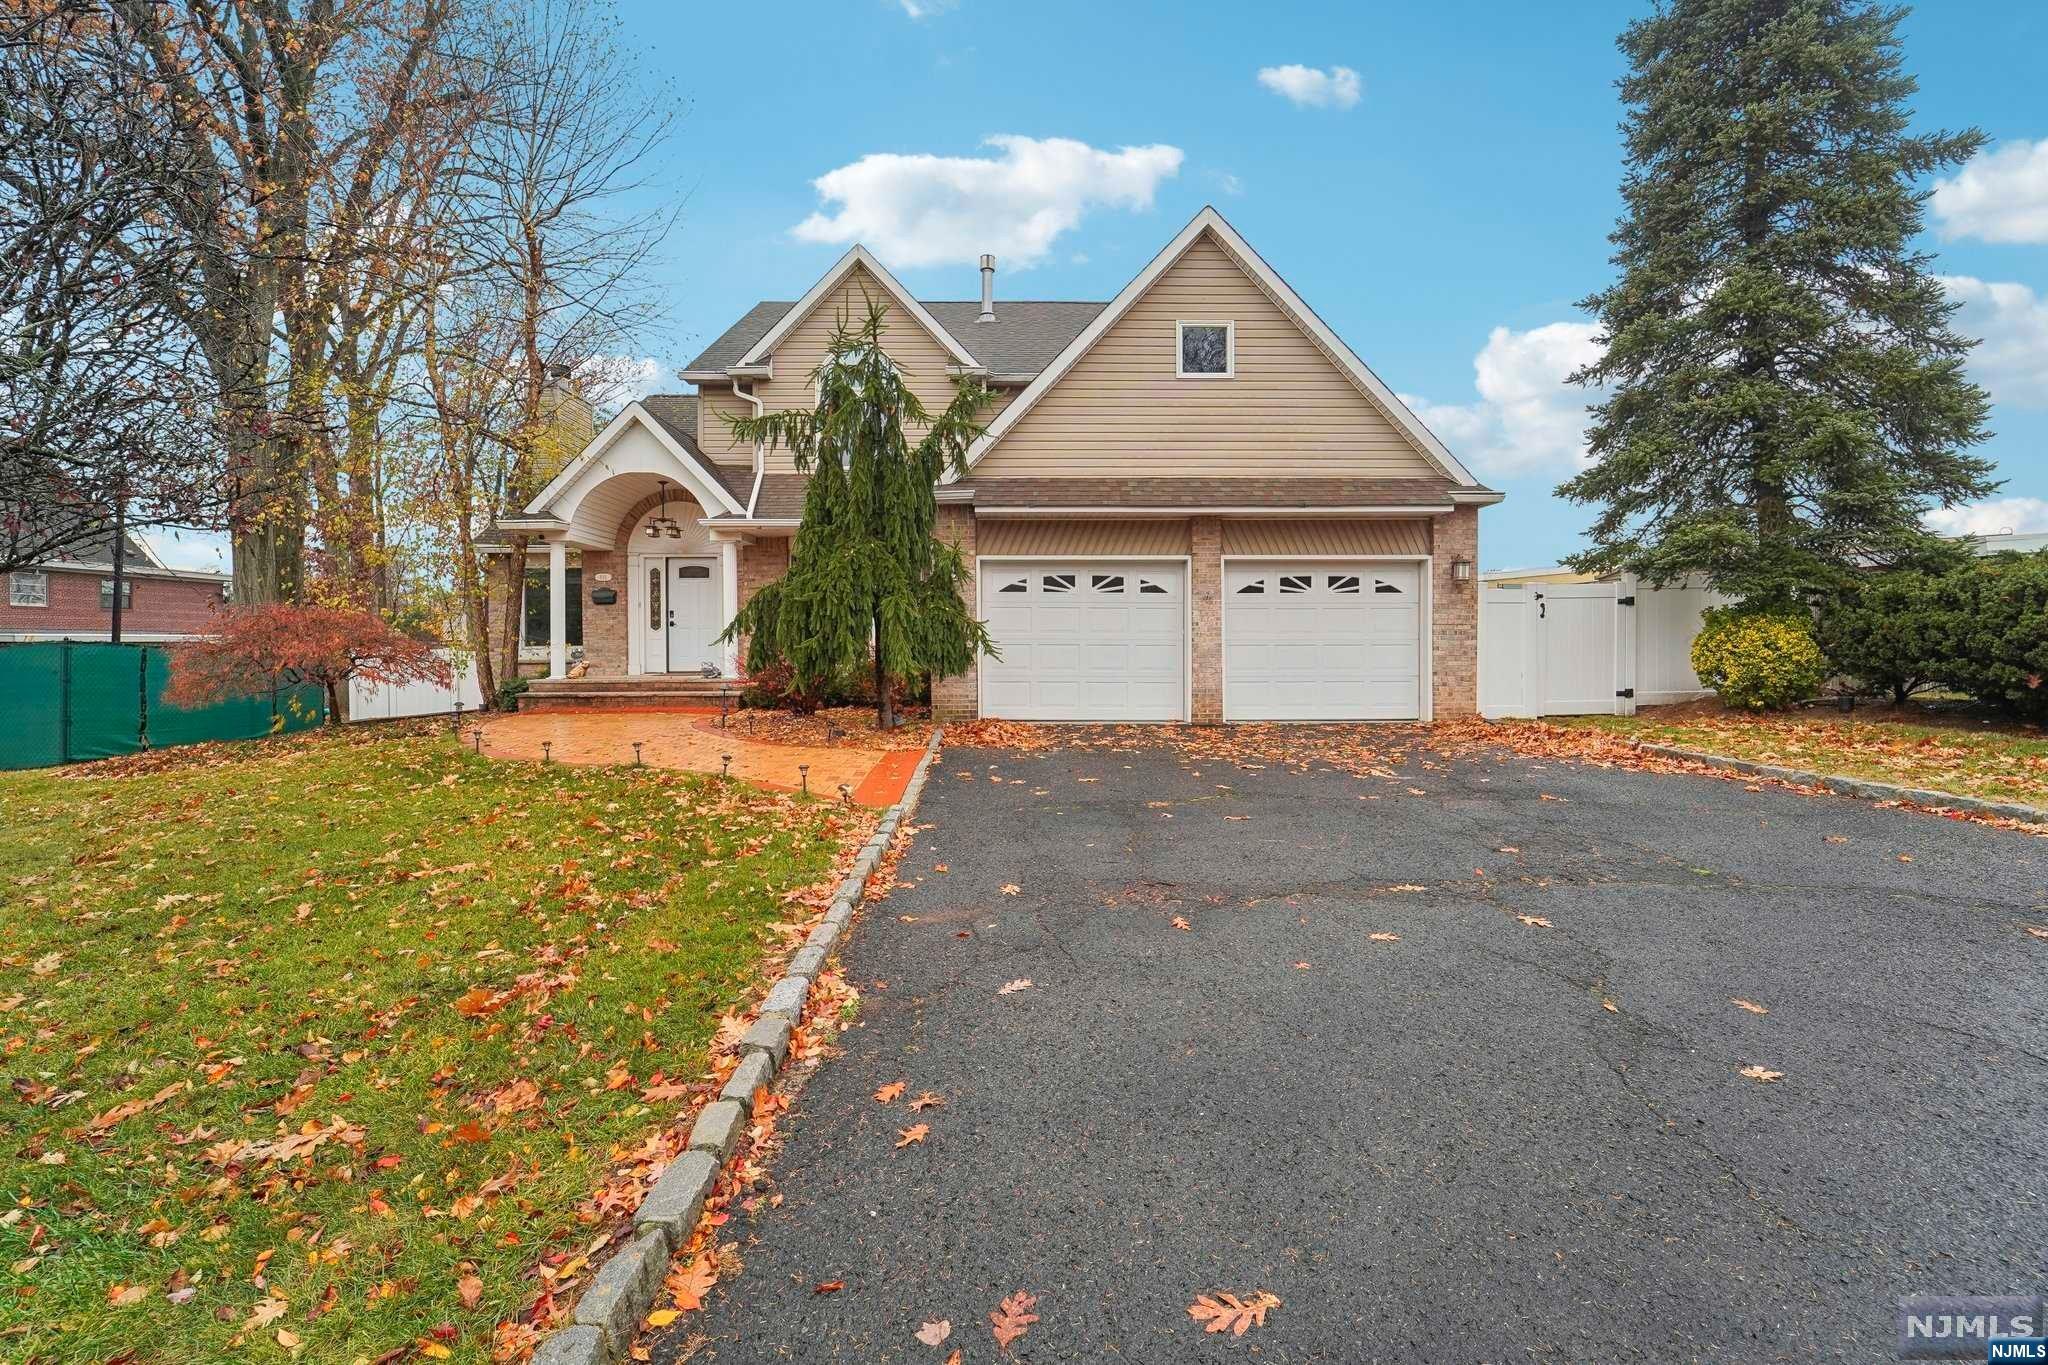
68, 701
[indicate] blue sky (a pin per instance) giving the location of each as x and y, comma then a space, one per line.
1443, 208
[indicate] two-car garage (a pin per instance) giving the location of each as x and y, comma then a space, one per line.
1110, 639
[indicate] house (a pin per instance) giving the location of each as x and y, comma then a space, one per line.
71, 597
1192, 502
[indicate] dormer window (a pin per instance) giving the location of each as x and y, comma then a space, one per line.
1208, 350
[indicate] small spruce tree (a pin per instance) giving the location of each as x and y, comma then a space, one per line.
1787, 395
865, 570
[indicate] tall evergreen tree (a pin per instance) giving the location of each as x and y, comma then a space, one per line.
1787, 395
866, 569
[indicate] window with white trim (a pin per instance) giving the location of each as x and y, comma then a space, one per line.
28, 588
107, 594
1205, 350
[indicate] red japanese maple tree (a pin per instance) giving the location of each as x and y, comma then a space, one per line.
258, 645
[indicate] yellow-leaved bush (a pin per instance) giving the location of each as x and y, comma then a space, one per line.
1758, 662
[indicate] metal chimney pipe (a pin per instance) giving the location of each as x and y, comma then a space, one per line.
988, 288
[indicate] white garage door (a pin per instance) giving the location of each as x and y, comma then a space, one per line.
1084, 641
1322, 640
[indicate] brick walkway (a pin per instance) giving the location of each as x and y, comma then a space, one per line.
676, 739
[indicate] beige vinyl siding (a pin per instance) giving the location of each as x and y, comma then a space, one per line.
1121, 410
1284, 537
1002, 536
917, 355
714, 406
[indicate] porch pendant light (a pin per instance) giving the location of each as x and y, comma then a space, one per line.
662, 521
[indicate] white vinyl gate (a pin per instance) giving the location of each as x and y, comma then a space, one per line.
1557, 649
1578, 649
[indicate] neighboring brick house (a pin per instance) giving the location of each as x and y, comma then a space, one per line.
1192, 502
72, 597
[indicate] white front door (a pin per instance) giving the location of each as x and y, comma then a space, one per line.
1084, 641
681, 625
1322, 640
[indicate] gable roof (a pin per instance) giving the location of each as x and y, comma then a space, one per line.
680, 443
857, 258
1025, 336
1210, 222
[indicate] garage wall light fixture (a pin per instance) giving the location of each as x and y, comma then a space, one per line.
1461, 570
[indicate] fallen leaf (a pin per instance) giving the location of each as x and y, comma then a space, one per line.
1905, 857
1609, 1006
1228, 1313
287, 1338
1012, 1318
126, 1295
1301, 966
926, 1100
891, 1092
471, 1289
1022, 983
1548, 797
689, 1284
828, 1286
1181, 922
934, 1332
1838, 838
1385, 938
1758, 1073
1749, 1005
916, 1132
662, 1317
1534, 921
2037, 931
1507, 848
1010, 888
954, 1359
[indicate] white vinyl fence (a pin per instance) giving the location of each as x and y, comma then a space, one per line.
1578, 649
391, 701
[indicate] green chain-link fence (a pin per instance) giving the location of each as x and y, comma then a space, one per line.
70, 700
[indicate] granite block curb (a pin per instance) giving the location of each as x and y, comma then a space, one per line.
1854, 786
620, 1295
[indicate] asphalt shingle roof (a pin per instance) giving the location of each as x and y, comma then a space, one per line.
1025, 336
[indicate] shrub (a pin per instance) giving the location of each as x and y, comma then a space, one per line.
1888, 633
1756, 661
257, 645
1995, 645
510, 692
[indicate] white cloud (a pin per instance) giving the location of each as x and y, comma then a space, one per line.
919, 210
1527, 419
2010, 322
925, 9
2022, 515
2000, 195
1311, 86
1227, 182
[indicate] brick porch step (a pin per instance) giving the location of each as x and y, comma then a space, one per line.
611, 693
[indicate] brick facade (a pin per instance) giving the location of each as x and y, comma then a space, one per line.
959, 697
156, 606
1454, 606
1453, 643
1205, 619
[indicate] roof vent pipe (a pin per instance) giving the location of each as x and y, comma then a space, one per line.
988, 288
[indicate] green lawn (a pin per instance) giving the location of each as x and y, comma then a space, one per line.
325, 1046
1999, 764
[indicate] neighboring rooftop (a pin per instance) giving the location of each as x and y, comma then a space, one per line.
1025, 336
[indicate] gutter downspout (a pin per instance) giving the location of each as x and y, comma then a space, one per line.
760, 452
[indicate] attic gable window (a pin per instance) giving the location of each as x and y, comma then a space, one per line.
1207, 350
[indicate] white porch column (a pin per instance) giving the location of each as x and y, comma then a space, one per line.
558, 609
729, 600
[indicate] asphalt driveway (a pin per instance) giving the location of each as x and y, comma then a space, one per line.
1486, 1140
